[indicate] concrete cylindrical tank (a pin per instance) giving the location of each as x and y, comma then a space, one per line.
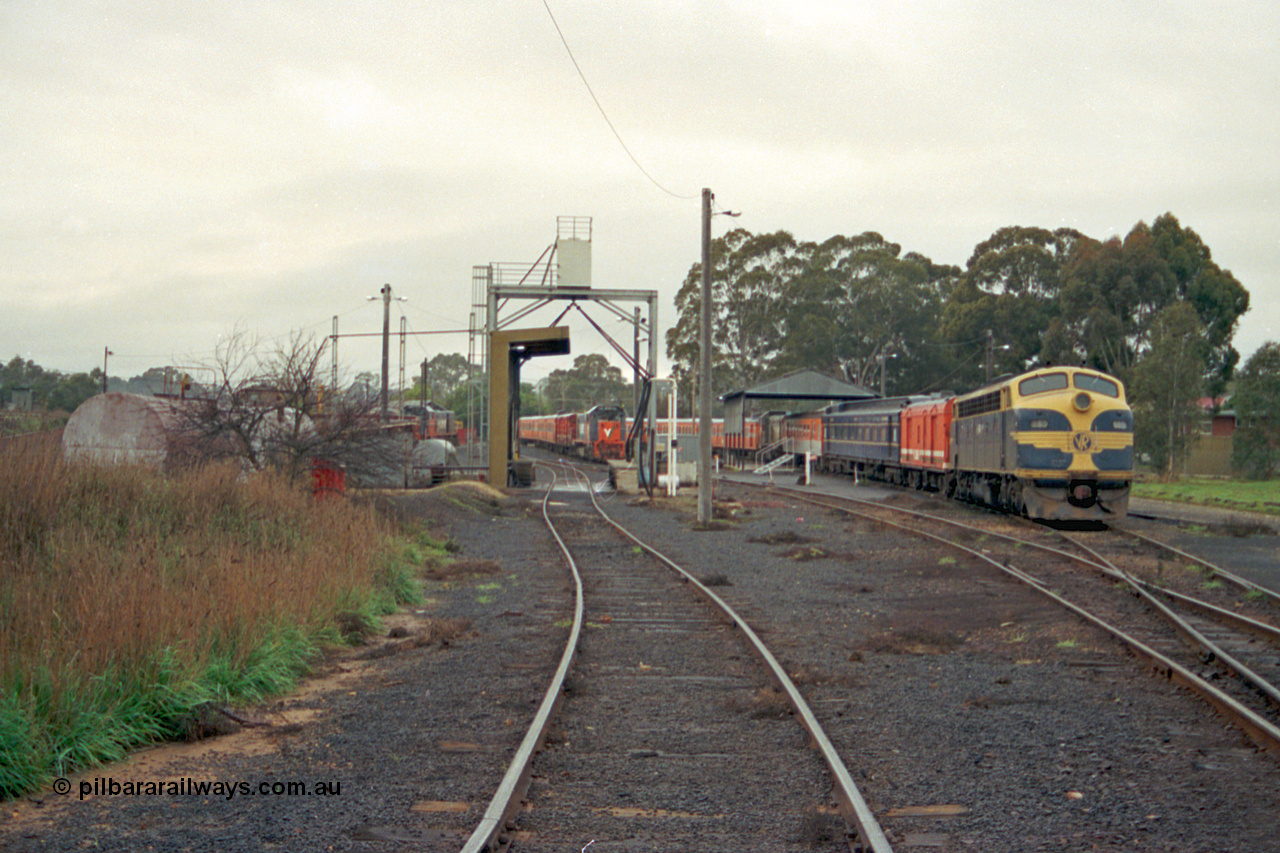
121, 428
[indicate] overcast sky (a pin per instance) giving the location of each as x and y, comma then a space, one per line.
174, 172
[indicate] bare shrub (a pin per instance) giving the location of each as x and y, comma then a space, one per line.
270, 409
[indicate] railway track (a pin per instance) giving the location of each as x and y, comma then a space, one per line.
668, 724
1228, 658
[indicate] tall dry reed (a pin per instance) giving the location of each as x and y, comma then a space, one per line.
126, 575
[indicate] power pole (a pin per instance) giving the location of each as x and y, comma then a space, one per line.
333, 380
106, 351
403, 329
386, 343
636, 373
704, 369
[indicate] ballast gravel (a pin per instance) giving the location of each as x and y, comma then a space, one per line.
973, 714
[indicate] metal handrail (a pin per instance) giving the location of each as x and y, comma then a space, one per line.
764, 451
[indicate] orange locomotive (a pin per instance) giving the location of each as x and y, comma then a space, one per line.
599, 433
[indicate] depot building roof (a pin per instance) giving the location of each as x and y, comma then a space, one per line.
802, 385
799, 385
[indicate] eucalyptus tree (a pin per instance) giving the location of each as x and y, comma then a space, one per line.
592, 380
1167, 385
1113, 291
52, 390
855, 306
446, 372
863, 309
1255, 448
1008, 296
1218, 298
749, 274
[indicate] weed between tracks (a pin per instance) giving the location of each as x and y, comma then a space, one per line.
441, 569
129, 599
765, 703
916, 640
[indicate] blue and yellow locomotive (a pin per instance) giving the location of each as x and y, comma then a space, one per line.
1054, 443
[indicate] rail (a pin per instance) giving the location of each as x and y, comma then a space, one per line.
1231, 577
516, 780
853, 807
1263, 732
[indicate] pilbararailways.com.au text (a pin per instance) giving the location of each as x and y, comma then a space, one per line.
188, 787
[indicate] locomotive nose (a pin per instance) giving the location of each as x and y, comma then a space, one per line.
1082, 493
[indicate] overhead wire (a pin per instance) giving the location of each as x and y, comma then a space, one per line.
605, 115
453, 321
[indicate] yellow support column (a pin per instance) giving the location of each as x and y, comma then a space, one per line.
507, 351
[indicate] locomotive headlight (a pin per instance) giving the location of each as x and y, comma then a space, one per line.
1082, 401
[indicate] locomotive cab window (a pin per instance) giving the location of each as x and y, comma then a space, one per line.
1097, 384
1041, 384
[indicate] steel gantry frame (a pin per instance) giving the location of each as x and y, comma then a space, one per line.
494, 286
539, 296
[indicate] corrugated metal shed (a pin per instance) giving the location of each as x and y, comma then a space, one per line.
799, 385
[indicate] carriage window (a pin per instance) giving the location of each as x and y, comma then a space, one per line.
1040, 384
1098, 384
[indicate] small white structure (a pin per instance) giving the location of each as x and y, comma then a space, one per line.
573, 251
118, 428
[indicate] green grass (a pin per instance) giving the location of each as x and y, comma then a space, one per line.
1247, 495
128, 599
30, 422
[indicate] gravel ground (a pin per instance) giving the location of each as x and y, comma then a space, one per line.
973, 715
672, 734
976, 714
1245, 543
